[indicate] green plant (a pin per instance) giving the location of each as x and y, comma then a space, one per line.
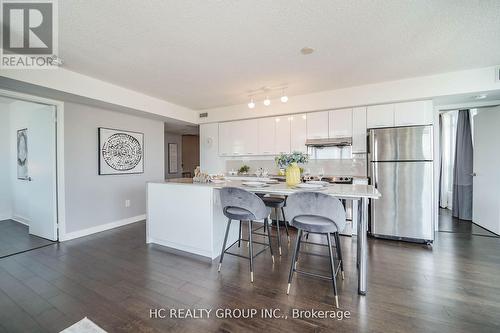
244, 169
284, 160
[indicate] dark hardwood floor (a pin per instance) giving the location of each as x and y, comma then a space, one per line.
14, 238
114, 279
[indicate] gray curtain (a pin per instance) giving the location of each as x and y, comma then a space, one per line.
462, 175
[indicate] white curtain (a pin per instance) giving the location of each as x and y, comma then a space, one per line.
448, 142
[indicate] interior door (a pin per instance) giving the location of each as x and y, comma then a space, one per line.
486, 182
42, 173
190, 152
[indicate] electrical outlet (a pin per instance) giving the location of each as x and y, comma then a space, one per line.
127, 203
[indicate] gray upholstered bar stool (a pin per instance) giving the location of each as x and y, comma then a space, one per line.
317, 213
241, 205
277, 204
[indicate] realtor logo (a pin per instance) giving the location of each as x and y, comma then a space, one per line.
29, 34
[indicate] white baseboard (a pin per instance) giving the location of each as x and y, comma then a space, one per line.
5, 216
100, 228
21, 220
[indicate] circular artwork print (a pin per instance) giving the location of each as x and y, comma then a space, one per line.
122, 152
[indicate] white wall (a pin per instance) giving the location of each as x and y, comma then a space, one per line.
5, 187
427, 87
173, 138
93, 201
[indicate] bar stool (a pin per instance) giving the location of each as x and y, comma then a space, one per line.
277, 204
317, 213
241, 205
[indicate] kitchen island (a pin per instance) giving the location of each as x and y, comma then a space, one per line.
187, 216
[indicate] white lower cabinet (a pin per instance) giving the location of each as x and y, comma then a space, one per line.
298, 132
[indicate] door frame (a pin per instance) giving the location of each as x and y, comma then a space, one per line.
60, 216
438, 109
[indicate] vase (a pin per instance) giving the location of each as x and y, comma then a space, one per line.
292, 174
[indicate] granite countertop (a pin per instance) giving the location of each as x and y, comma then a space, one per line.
338, 190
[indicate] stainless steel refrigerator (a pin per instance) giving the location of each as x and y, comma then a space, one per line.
400, 166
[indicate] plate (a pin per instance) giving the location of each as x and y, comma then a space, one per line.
318, 182
217, 181
272, 181
255, 184
309, 186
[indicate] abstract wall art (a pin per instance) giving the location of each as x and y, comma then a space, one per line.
120, 152
22, 154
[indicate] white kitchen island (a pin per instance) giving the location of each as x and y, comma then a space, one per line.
188, 217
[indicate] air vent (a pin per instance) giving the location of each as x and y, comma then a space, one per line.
497, 74
204, 115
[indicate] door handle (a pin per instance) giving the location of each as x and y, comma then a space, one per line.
473, 174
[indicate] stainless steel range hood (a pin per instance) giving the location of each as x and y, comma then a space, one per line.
331, 142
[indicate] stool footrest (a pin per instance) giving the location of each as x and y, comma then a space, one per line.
313, 274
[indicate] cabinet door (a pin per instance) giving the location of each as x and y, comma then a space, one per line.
298, 132
225, 139
247, 130
237, 138
282, 134
413, 113
359, 130
380, 116
266, 136
317, 125
340, 123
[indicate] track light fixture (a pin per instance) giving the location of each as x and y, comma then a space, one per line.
267, 100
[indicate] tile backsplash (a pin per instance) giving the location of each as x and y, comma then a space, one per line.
332, 167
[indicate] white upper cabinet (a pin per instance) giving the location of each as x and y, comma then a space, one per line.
225, 139
266, 136
282, 136
238, 138
413, 113
359, 130
340, 123
246, 132
380, 116
298, 132
317, 125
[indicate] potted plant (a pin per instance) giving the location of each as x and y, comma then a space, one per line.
244, 170
290, 163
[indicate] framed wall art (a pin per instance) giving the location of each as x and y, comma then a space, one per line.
120, 152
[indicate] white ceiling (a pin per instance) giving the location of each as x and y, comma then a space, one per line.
204, 54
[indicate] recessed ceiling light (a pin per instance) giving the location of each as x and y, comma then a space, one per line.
306, 50
482, 96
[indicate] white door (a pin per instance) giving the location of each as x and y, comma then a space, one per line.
42, 171
486, 183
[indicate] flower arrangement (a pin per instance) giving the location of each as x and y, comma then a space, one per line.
285, 160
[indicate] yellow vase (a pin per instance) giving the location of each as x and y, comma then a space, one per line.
292, 174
